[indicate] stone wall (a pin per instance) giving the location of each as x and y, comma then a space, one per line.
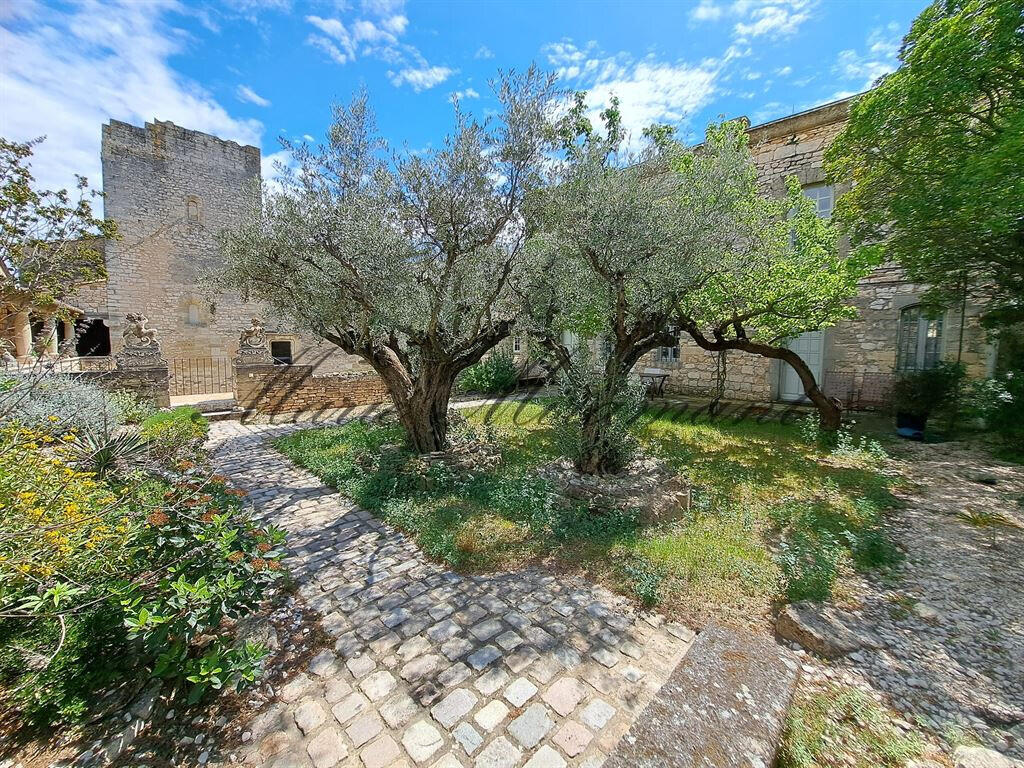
171, 192
272, 389
148, 383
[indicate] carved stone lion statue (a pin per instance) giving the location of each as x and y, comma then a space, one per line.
135, 333
254, 336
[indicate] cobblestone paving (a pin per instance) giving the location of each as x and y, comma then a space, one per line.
431, 668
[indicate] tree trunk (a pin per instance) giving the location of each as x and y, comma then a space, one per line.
422, 408
598, 450
830, 410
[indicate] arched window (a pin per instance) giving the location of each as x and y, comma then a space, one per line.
920, 340
192, 208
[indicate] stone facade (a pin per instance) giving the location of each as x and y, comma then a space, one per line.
858, 354
171, 192
270, 389
147, 383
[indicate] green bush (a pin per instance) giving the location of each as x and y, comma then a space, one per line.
175, 434
495, 375
131, 408
922, 393
57, 404
999, 403
141, 570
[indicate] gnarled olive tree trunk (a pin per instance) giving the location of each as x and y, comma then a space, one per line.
420, 392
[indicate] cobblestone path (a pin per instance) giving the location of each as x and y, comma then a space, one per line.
432, 668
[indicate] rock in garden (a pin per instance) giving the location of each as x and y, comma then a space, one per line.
979, 757
820, 629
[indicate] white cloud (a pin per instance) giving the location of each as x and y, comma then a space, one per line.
66, 73
483, 52
468, 93
338, 44
245, 93
422, 78
649, 90
772, 18
756, 18
783, 71
325, 45
706, 11
378, 38
382, 7
879, 58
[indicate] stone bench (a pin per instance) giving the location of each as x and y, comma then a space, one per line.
724, 706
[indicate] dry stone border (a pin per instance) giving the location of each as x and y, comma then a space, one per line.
432, 668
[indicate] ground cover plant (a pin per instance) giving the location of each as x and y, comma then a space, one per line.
781, 512
841, 725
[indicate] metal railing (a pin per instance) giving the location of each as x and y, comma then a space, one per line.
200, 376
859, 389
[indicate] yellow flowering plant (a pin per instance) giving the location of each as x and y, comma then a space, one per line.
143, 561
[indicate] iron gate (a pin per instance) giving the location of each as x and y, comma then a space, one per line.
200, 376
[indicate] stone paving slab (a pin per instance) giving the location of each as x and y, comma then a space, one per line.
429, 667
723, 707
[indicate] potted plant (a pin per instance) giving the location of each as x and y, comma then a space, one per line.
918, 394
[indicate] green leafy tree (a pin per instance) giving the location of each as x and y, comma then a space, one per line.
633, 245
791, 279
50, 241
409, 263
935, 153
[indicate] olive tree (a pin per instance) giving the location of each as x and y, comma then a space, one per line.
407, 260
621, 240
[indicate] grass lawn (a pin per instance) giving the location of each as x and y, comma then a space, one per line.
777, 516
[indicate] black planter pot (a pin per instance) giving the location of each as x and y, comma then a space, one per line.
911, 425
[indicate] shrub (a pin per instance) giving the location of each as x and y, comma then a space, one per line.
495, 375
999, 402
57, 404
102, 579
922, 393
131, 408
176, 433
102, 453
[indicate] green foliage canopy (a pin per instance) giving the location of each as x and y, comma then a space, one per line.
935, 153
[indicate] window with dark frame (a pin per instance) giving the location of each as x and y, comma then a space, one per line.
670, 354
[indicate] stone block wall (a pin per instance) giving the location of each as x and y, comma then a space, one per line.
270, 389
147, 383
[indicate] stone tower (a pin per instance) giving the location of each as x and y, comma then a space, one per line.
171, 191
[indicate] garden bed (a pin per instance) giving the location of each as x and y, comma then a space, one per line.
776, 516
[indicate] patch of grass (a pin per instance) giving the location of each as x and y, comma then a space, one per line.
842, 726
986, 518
775, 516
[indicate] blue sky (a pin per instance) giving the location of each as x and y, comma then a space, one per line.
253, 70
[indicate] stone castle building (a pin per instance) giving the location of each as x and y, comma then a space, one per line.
172, 191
